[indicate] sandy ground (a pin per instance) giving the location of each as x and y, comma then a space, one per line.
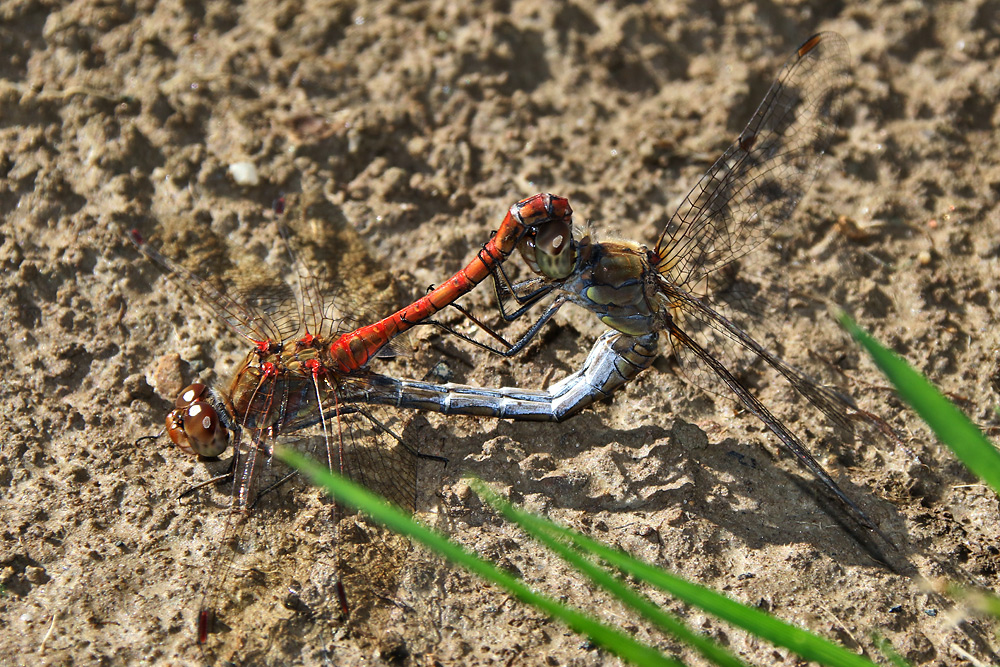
410, 128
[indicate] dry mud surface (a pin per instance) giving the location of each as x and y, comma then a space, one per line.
409, 129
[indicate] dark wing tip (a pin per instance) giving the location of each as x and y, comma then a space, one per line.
811, 43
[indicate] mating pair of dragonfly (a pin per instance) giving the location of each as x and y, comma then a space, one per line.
305, 370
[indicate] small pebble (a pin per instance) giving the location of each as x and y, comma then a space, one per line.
167, 378
35, 575
244, 173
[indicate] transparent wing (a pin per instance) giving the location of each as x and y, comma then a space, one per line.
242, 317
359, 440
358, 560
719, 325
756, 184
273, 308
377, 458
680, 339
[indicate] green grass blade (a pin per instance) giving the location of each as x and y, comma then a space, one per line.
888, 651
356, 496
990, 604
980, 600
949, 424
641, 604
801, 642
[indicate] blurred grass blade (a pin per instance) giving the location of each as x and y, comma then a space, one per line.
888, 651
641, 604
990, 604
801, 642
356, 496
949, 424
980, 600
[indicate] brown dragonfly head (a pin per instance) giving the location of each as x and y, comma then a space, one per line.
194, 424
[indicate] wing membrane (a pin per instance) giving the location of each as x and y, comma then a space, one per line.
759, 180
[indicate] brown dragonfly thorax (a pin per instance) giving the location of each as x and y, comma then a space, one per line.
278, 389
617, 281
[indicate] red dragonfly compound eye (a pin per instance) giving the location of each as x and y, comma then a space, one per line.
194, 426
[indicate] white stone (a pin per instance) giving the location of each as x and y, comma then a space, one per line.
244, 173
